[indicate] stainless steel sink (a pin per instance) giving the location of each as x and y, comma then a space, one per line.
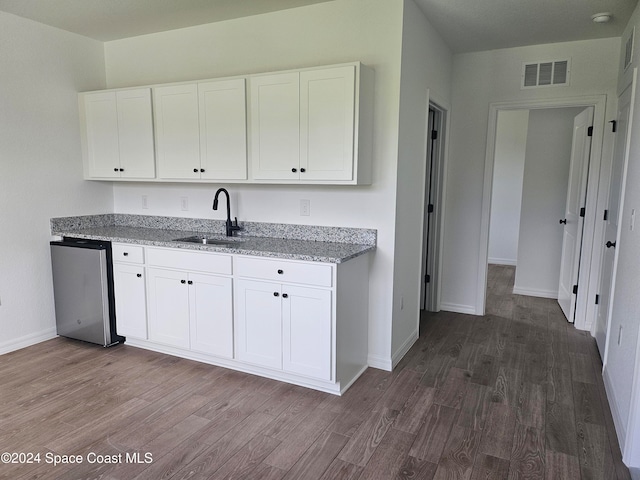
207, 241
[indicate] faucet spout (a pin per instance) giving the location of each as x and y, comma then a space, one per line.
230, 227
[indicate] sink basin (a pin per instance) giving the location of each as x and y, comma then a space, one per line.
206, 241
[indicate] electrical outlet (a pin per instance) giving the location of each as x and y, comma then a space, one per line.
145, 202
184, 203
305, 208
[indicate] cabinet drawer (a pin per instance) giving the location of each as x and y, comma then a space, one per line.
283, 271
193, 261
127, 253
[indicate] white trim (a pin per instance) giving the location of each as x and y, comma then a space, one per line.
27, 340
503, 261
619, 423
459, 308
404, 348
380, 362
532, 292
589, 257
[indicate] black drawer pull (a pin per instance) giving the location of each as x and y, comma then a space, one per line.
139, 275
280, 272
183, 281
294, 170
126, 254
190, 282
285, 295
276, 294
303, 170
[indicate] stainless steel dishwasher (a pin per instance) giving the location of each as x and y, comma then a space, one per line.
83, 290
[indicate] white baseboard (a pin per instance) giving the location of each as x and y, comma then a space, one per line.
502, 261
532, 292
380, 362
618, 421
457, 308
404, 348
27, 341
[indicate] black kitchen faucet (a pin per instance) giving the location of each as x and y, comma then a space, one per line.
230, 226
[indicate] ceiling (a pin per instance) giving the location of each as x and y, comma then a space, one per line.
465, 25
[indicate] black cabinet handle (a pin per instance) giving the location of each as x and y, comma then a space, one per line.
285, 295
302, 170
122, 169
126, 254
276, 294
183, 281
611, 244
202, 170
195, 170
294, 170
115, 169
564, 220
190, 282
280, 272
139, 275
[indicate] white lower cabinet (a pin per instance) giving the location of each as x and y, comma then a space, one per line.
297, 321
191, 310
131, 309
283, 326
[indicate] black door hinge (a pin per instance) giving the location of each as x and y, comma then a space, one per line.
614, 124
590, 132
430, 208
597, 299
582, 212
575, 289
427, 278
606, 215
434, 134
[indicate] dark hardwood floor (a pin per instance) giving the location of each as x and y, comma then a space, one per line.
514, 394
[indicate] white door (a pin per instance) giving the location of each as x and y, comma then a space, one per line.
135, 133
258, 323
306, 329
275, 126
573, 222
327, 115
129, 292
177, 131
211, 314
623, 127
223, 129
168, 307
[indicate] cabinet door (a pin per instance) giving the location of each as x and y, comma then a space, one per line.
211, 313
168, 307
306, 327
130, 298
327, 114
135, 133
223, 129
275, 126
177, 131
100, 135
258, 323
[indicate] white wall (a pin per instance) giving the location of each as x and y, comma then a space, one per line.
42, 70
479, 79
506, 195
343, 30
426, 71
544, 199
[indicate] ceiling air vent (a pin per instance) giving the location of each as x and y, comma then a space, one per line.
545, 74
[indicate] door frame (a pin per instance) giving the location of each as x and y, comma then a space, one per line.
430, 299
590, 259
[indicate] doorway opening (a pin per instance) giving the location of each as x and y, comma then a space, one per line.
431, 243
586, 260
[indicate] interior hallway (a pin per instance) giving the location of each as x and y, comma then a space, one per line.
514, 394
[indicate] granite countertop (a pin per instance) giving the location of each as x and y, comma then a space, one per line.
288, 248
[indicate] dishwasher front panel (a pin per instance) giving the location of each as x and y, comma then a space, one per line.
81, 292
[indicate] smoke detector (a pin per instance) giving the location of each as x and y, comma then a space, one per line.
601, 17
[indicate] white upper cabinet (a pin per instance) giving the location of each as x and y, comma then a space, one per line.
223, 129
275, 126
117, 134
312, 126
177, 131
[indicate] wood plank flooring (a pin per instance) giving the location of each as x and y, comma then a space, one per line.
514, 394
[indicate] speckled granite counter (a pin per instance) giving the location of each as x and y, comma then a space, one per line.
297, 242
